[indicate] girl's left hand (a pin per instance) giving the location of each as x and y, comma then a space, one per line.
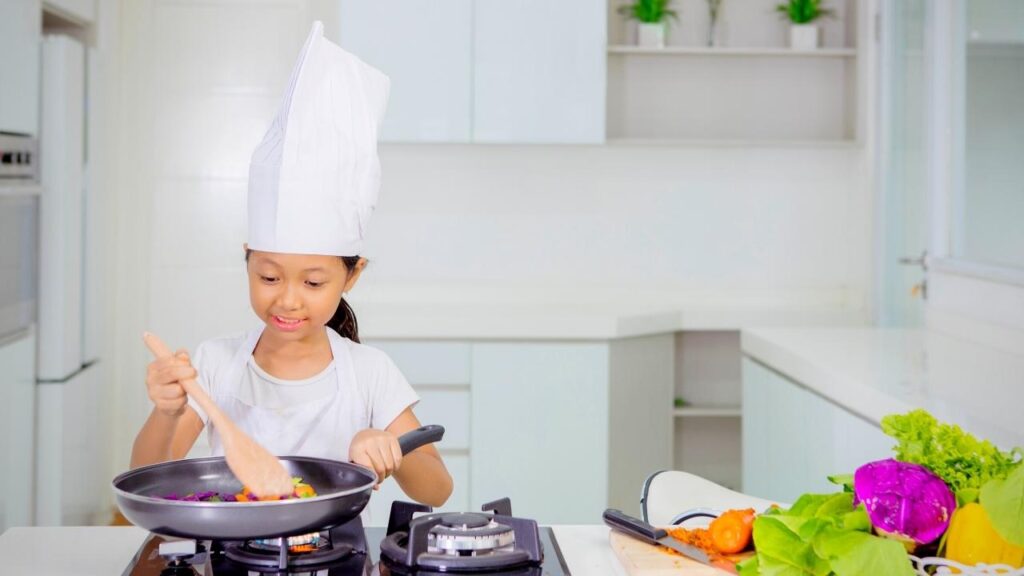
376, 449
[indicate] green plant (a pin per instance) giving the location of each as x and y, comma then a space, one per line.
803, 11
649, 11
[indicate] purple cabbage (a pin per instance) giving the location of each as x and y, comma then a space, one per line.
904, 501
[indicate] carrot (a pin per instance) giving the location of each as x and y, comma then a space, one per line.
730, 532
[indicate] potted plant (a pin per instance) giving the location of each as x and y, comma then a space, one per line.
651, 16
803, 33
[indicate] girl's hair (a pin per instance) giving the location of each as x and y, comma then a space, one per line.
344, 320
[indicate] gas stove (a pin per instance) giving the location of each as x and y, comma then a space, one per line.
488, 542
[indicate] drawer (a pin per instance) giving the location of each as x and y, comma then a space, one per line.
429, 363
449, 408
458, 467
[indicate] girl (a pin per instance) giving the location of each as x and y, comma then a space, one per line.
303, 384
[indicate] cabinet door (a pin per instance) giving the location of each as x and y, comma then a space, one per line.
425, 48
20, 32
540, 429
17, 410
539, 71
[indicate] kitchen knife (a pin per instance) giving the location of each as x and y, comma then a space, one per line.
637, 528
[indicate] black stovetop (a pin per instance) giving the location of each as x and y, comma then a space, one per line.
148, 561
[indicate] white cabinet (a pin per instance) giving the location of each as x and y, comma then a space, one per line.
539, 71
540, 429
425, 48
794, 439
20, 33
17, 410
484, 70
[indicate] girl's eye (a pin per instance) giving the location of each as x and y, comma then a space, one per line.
312, 284
268, 279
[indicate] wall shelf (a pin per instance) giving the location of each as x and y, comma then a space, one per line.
731, 51
707, 412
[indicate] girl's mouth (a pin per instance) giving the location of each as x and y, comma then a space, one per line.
286, 324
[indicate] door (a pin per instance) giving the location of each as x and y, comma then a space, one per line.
903, 207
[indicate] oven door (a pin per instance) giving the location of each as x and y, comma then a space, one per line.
19, 253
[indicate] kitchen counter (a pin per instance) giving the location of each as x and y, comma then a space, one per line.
106, 551
468, 312
872, 372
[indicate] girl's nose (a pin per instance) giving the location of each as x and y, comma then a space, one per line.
289, 298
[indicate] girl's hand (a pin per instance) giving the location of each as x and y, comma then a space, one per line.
377, 449
163, 384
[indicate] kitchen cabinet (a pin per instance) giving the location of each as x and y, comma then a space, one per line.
485, 70
539, 71
17, 414
540, 428
426, 50
20, 33
793, 439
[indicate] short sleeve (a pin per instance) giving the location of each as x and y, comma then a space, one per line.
391, 394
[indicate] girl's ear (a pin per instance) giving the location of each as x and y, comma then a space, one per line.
353, 274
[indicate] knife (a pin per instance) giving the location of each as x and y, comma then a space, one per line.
637, 528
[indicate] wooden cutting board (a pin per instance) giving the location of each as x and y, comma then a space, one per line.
642, 559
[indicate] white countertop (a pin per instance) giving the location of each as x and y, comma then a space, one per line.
568, 313
873, 372
106, 551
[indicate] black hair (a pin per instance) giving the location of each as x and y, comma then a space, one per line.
344, 319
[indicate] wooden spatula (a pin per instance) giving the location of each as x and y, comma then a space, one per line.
251, 463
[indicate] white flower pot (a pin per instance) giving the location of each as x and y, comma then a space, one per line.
650, 35
803, 36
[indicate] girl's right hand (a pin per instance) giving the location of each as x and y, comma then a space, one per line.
163, 383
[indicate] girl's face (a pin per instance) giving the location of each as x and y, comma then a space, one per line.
296, 294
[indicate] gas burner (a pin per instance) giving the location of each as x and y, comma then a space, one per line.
471, 542
469, 535
300, 552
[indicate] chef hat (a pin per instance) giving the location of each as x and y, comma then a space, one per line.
314, 179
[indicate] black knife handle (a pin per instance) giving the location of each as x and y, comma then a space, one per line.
635, 527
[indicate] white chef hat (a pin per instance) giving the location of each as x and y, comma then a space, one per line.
314, 179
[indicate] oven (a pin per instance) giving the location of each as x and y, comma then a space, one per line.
19, 233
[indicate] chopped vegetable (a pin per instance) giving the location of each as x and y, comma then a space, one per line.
904, 501
972, 540
731, 532
302, 490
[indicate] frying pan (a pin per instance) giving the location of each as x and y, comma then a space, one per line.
343, 490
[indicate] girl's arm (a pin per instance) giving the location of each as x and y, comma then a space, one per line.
166, 437
422, 474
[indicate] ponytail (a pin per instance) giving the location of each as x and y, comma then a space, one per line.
344, 320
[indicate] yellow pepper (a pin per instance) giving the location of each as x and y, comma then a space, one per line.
971, 540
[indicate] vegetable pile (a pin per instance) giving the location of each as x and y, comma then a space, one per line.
302, 490
946, 493
730, 533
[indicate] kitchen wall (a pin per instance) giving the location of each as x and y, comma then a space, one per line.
548, 223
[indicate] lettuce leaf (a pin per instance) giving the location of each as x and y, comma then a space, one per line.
1003, 499
964, 462
822, 534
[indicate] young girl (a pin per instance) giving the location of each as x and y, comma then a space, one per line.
303, 384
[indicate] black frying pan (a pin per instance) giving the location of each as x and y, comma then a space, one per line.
342, 488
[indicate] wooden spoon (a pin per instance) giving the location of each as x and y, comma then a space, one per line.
258, 469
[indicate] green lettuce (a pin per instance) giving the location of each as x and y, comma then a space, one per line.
963, 461
820, 535
1003, 499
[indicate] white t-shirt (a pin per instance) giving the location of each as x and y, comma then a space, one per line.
379, 388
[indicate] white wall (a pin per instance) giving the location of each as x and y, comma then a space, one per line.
203, 80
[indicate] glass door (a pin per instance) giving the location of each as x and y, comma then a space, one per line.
902, 204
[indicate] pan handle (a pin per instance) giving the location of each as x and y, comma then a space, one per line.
420, 437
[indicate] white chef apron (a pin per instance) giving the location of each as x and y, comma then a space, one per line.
322, 427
